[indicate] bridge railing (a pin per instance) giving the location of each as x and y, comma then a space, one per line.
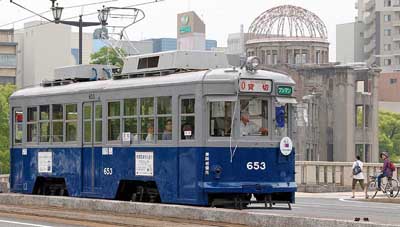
313, 176
4, 183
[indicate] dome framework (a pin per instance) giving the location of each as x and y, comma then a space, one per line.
288, 35
288, 21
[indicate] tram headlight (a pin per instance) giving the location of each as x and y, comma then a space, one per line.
252, 63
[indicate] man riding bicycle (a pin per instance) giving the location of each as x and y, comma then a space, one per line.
386, 170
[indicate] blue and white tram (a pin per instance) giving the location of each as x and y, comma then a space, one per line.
193, 137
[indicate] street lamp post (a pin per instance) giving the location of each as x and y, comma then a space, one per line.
57, 12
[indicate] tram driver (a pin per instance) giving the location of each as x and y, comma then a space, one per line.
248, 128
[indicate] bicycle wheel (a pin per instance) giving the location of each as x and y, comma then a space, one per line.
391, 188
372, 189
395, 187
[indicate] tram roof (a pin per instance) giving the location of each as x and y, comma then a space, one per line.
211, 76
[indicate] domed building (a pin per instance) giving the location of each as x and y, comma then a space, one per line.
337, 111
288, 35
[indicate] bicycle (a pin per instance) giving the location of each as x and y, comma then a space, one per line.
390, 187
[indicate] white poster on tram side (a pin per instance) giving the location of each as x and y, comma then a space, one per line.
45, 162
144, 163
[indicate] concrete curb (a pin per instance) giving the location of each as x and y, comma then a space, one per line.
246, 217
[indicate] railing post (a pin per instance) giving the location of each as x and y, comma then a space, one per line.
334, 174
317, 174
303, 174
367, 175
326, 174
342, 175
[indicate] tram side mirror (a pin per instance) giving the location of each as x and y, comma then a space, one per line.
280, 116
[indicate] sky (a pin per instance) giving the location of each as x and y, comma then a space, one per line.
220, 16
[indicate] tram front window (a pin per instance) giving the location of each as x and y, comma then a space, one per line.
253, 117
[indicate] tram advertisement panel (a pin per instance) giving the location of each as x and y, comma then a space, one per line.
45, 162
144, 163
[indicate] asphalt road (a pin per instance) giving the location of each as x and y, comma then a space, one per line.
338, 206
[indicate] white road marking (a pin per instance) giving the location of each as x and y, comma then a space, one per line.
350, 204
393, 206
22, 223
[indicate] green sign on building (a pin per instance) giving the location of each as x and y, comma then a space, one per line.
185, 29
285, 90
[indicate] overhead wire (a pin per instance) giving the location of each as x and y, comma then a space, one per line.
87, 14
47, 11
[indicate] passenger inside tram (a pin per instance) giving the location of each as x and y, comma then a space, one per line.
167, 134
253, 117
148, 137
150, 133
187, 131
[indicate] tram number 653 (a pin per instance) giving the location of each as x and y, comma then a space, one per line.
256, 166
107, 171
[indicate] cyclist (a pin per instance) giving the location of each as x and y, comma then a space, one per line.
386, 170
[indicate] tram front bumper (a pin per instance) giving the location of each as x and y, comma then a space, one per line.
249, 187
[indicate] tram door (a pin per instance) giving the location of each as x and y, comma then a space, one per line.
187, 153
91, 152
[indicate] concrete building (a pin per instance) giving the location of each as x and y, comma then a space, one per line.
337, 110
44, 47
8, 56
380, 34
349, 50
337, 114
389, 95
191, 32
237, 42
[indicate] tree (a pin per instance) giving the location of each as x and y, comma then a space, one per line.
389, 134
108, 56
5, 92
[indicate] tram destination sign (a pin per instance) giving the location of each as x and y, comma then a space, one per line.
256, 86
285, 90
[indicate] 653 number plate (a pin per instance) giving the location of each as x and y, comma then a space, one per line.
256, 166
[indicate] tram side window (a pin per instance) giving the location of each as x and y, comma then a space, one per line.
44, 123
71, 122
130, 118
253, 117
147, 119
32, 132
187, 119
98, 121
57, 122
87, 122
220, 118
164, 118
18, 123
114, 121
